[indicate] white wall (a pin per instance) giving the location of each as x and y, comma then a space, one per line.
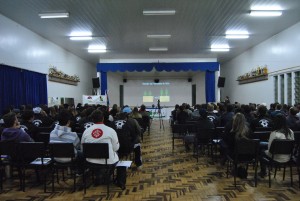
113, 84
279, 52
22, 48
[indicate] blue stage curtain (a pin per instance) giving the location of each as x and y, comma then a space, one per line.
18, 86
10, 87
210, 86
103, 82
35, 88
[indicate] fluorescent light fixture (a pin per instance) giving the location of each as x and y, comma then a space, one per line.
159, 12
54, 15
236, 36
158, 49
97, 49
159, 36
265, 13
219, 48
81, 38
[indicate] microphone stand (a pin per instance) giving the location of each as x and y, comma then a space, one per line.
161, 122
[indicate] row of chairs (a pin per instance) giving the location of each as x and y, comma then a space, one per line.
247, 152
32, 155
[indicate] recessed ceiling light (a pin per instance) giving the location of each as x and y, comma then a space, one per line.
158, 49
236, 36
54, 15
159, 12
265, 13
159, 36
97, 48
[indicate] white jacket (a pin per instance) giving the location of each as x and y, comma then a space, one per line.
99, 133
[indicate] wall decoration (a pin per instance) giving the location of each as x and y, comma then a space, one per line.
256, 74
58, 76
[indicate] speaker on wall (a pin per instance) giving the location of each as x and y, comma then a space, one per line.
221, 81
124, 80
156, 80
190, 80
96, 83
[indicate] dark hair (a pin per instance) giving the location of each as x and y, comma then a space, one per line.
9, 119
97, 116
280, 125
64, 116
143, 107
229, 108
293, 111
27, 115
262, 110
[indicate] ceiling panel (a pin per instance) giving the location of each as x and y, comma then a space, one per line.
121, 26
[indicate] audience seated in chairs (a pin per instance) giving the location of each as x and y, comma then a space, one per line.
100, 133
62, 133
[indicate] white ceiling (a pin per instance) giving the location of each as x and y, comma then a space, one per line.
121, 26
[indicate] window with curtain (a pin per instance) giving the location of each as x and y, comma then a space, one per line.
275, 89
289, 88
297, 87
282, 89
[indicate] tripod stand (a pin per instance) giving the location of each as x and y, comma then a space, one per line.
161, 122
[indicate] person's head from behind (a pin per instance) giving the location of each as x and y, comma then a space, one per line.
239, 125
279, 122
143, 108
210, 108
28, 115
262, 110
278, 107
10, 120
293, 111
229, 108
135, 110
64, 117
97, 116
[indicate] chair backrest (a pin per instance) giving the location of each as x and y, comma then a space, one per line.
31, 150
190, 128
45, 129
261, 135
43, 137
280, 146
96, 150
61, 150
9, 148
248, 147
263, 129
204, 135
219, 132
178, 128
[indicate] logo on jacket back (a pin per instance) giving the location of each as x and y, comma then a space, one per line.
264, 122
97, 133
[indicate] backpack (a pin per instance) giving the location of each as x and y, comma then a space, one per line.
123, 132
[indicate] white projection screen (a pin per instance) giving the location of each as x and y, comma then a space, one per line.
169, 91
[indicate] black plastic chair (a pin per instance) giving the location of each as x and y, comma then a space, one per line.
97, 151
63, 150
9, 157
285, 147
32, 156
178, 132
246, 152
203, 139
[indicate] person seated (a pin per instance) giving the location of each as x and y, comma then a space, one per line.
100, 133
202, 123
211, 115
114, 111
182, 116
12, 131
41, 118
63, 133
135, 133
135, 114
262, 120
28, 126
228, 115
292, 120
281, 131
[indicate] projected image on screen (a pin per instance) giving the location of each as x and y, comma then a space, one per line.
147, 92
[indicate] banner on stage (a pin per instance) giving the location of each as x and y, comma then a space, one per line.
94, 100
